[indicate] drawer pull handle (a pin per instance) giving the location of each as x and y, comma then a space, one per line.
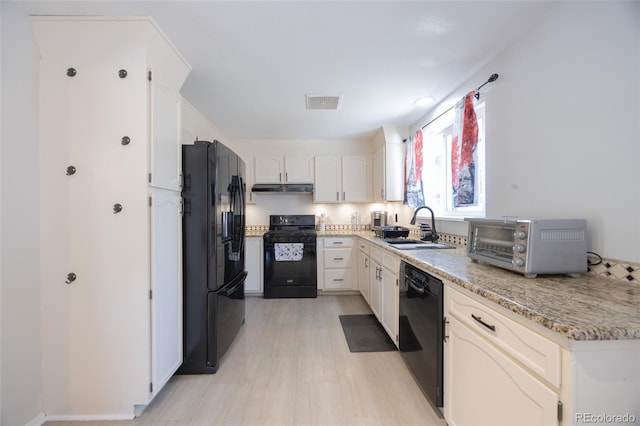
338, 279
337, 243
338, 258
479, 319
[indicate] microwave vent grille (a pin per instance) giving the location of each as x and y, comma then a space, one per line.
562, 235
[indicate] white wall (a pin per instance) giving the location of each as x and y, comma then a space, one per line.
19, 195
562, 123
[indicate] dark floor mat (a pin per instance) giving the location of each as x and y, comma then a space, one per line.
365, 334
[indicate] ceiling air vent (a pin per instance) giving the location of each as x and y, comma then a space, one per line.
323, 102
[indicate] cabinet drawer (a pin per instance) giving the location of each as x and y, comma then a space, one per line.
337, 258
539, 354
330, 242
364, 247
338, 279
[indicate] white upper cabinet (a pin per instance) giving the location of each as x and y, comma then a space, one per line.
342, 179
388, 167
328, 180
288, 169
165, 164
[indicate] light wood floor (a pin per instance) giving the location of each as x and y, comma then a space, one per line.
290, 365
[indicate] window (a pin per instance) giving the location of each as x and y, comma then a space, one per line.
436, 170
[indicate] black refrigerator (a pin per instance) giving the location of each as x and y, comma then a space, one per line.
213, 236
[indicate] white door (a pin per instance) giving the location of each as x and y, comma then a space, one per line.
327, 180
354, 178
253, 258
364, 276
483, 386
390, 301
166, 286
298, 169
166, 106
378, 175
376, 288
268, 169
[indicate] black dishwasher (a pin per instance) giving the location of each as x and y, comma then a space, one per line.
421, 329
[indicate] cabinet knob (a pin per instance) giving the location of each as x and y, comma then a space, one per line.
125, 140
122, 73
71, 277
117, 208
71, 170
71, 72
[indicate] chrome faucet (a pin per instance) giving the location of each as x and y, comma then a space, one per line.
434, 235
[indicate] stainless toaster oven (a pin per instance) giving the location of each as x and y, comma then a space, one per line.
530, 246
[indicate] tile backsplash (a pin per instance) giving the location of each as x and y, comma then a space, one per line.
608, 268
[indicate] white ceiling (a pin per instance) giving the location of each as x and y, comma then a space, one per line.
253, 62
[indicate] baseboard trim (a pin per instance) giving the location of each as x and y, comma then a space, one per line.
88, 417
37, 420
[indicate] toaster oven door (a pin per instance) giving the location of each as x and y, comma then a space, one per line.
492, 242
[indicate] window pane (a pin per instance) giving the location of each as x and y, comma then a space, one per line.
437, 175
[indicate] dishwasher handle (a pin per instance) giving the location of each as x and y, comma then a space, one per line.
420, 290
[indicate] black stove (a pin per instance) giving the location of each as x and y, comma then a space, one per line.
290, 266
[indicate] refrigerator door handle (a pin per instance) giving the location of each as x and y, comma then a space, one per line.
235, 284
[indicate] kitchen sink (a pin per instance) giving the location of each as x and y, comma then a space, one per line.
408, 244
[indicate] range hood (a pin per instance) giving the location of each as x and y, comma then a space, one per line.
293, 188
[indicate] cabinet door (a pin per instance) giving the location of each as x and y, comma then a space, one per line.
376, 288
166, 106
483, 386
249, 180
394, 172
298, 169
378, 175
390, 295
253, 258
166, 286
327, 180
268, 169
364, 276
354, 179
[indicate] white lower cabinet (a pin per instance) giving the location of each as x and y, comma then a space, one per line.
486, 376
364, 273
484, 386
390, 295
254, 264
383, 290
375, 281
336, 264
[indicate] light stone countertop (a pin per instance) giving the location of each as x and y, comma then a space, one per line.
584, 308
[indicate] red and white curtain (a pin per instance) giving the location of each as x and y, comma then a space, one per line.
413, 194
463, 153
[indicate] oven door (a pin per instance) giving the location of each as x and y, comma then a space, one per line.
492, 242
290, 267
